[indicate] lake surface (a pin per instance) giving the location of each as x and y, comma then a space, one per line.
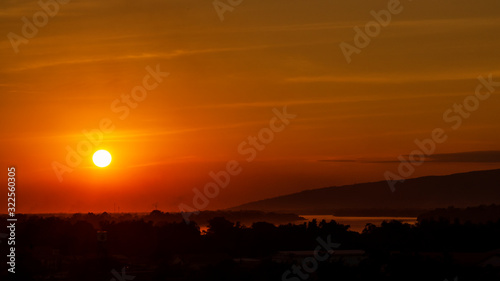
358, 223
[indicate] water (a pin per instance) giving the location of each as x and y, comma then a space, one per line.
358, 223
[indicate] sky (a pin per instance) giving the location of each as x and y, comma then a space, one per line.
217, 75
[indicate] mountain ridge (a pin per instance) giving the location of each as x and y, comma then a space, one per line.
416, 194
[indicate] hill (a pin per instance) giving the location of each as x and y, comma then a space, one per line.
411, 198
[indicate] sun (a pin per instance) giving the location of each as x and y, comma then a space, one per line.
101, 158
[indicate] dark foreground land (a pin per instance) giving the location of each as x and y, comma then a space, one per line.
445, 244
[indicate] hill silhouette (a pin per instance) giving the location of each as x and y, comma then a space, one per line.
411, 198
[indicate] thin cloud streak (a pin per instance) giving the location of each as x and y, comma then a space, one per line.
492, 156
338, 100
387, 78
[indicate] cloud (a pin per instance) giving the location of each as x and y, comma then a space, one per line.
387, 78
164, 55
491, 156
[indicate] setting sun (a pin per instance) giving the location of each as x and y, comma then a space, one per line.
101, 158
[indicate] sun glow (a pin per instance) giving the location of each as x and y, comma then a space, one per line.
101, 158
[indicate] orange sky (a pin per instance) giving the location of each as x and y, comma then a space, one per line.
225, 78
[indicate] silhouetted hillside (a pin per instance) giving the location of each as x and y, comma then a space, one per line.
412, 197
73, 248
